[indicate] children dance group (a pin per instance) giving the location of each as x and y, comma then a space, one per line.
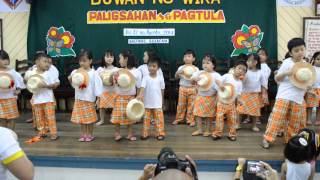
204, 95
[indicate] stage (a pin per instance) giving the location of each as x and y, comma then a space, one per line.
104, 149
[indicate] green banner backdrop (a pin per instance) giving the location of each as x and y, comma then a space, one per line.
80, 17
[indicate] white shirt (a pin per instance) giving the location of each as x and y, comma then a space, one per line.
266, 72
133, 91
18, 84
298, 171
112, 69
228, 78
53, 71
286, 89
93, 90
317, 83
214, 88
253, 81
152, 91
45, 95
9, 147
184, 82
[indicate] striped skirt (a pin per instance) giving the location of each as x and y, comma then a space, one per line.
312, 98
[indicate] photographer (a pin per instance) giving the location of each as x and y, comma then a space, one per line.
13, 158
169, 166
254, 171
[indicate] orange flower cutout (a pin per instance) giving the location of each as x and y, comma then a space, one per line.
237, 39
254, 30
68, 39
53, 32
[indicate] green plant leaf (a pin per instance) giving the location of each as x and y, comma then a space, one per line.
236, 52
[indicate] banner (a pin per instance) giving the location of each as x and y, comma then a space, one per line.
14, 6
295, 3
168, 26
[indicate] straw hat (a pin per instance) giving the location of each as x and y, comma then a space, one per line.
135, 110
80, 79
29, 73
187, 71
228, 95
205, 81
6, 81
34, 83
106, 77
303, 75
125, 79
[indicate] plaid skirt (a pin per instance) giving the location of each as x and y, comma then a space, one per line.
311, 98
83, 112
9, 108
119, 110
250, 104
107, 100
205, 106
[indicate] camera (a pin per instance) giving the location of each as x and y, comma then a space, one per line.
167, 159
254, 167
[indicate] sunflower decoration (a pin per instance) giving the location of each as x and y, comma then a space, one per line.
246, 40
60, 42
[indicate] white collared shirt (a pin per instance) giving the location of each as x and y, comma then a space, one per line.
93, 90
18, 84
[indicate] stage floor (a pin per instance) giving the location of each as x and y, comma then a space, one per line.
178, 137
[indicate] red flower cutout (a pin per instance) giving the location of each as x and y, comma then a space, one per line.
68, 39
53, 33
254, 30
82, 86
237, 39
12, 84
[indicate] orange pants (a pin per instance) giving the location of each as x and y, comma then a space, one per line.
185, 103
9, 109
45, 118
157, 115
285, 110
230, 111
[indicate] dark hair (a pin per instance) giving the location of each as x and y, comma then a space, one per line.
257, 58
287, 55
40, 55
295, 151
315, 55
295, 42
311, 137
211, 58
151, 53
110, 53
86, 53
132, 60
264, 50
242, 57
155, 60
241, 63
4, 55
189, 51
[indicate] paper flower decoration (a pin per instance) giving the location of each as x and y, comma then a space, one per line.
246, 40
60, 42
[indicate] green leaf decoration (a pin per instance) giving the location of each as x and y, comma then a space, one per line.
67, 52
245, 29
236, 52
61, 30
